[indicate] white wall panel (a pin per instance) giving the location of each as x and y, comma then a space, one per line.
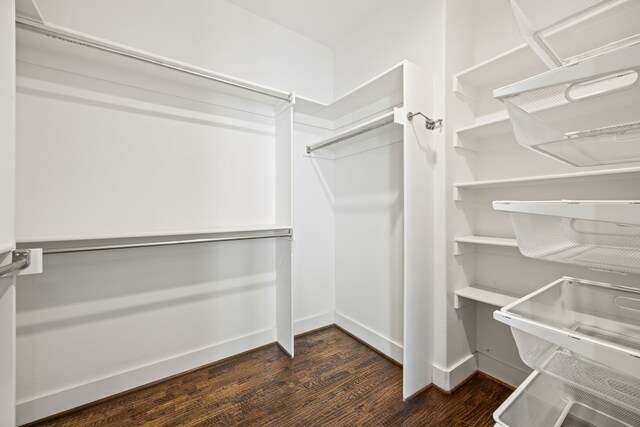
88, 169
419, 237
7, 349
93, 316
285, 288
7, 125
213, 34
313, 198
7, 212
401, 30
369, 240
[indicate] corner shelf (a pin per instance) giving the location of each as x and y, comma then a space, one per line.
509, 66
386, 87
484, 295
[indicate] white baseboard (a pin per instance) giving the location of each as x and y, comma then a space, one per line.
501, 371
384, 345
311, 323
54, 403
449, 378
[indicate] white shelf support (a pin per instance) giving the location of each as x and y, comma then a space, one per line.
510, 65
465, 296
529, 180
482, 240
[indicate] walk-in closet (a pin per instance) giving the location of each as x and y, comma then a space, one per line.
320, 213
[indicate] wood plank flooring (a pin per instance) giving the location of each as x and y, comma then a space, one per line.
334, 380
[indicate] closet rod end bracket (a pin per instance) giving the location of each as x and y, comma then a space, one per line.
429, 123
23, 255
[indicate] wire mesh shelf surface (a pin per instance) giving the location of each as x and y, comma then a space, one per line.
564, 32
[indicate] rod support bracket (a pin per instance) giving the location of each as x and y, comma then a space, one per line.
20, 255
429, 123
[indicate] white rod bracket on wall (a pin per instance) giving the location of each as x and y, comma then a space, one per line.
24, 262
20, 259
429, 123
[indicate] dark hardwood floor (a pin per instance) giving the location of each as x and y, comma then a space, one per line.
334, 380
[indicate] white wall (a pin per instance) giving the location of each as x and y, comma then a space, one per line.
314, 243
403, 29
93, 162
369, 242
213, 34
143, 157
7, 213
98, 323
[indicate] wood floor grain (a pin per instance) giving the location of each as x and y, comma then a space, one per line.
334, 380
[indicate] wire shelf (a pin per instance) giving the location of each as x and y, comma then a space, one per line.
593, 322
585, 116
543, 401
562, 32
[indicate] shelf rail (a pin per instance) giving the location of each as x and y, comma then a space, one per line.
72, 37
221, 237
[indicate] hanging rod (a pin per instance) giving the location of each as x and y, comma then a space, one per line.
376, 123
273, 234
59, 34
20, 259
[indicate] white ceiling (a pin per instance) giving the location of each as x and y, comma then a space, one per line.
326, 21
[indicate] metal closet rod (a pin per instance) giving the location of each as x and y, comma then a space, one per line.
386, 119
277, 233
61, 35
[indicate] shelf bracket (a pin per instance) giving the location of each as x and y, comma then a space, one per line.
429, 123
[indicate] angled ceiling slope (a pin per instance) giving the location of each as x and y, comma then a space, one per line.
327, 22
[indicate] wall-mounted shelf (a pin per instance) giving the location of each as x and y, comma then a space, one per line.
584, 114
104, 56
484, 295
489, 241
468, 137
381, 92
531, 180
484, 241
379, 125
566, 35
615, 211
593, 320
598, 234
507, 67
496, 126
